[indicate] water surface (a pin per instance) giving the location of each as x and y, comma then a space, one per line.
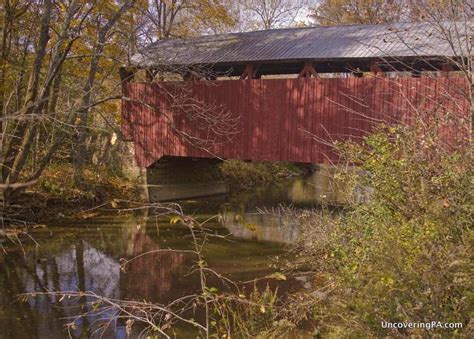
85, 255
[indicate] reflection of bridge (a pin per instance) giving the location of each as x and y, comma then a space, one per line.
89, 260
292, 119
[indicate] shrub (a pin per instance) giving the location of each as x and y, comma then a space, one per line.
57, 183
406, 254
243, 175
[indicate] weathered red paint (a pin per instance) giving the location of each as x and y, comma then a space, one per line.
294, 120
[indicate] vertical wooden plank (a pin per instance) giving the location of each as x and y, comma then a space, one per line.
307, 119
152, 127
282, 114
252, 118
338, 87
330, 120
322, 119
388, 97
383, 101
144, 121
334, 116
206, 97
278, 110
273, 99
136, 128
294, 144
341, 107
159, 124
289, 117
366, 106
302, 127
327, 121
248, 109
198, 92
255, 151
418, 102
310, 118
264, 137
141, 94
262, 122
224, 149
411, 103
242, 142
169, 132
336, 111
238, 139
353, 92
270, 119
298, 145
404, 89
410, 96
352, 106
162, 122
125, 110
286, 121
256, 120
316, 118
235, 151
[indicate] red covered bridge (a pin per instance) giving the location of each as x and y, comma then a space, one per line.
338, 83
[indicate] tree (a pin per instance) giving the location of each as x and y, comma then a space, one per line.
60, 87
23, 115
103, 30
336, 12
268, 14
42, 115
164, 19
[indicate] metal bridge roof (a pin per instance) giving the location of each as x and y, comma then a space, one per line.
402, 40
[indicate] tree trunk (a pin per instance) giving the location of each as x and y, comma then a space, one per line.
80, 153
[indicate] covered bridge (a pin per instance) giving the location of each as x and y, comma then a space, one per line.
288, 94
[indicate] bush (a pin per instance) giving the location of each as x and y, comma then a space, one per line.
403, 256
243, 175
56, 183
252, 316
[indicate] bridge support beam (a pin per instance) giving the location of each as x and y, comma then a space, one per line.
376, 70
175, 178
308, 71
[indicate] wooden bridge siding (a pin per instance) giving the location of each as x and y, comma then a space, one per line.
274, 113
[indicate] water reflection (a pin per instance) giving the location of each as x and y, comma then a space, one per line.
86, 255
241, 218
159, 268
316, 189
262, 226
